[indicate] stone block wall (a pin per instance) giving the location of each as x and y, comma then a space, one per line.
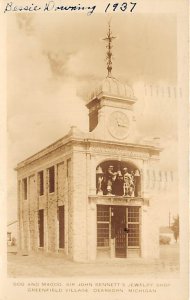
80, 205
33, 212
149, 234
69, 212
28, 213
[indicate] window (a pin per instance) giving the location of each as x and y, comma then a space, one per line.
169, 92
24, 188
166, 176
41, 183
68, 167
51, 179
171, 176
41, 227
8, 236
133, 226
61, 227
103, 225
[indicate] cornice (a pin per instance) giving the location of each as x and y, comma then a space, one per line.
90, 142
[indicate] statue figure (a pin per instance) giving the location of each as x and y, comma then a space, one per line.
132, 185
111, 177
99, 179
127, 182
118, 184
137, 182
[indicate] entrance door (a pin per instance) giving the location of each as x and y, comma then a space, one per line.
119, 228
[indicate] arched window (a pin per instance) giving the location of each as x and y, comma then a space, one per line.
118, 178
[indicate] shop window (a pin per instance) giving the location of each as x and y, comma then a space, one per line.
24, 188
51, 179
133, 226
103, 225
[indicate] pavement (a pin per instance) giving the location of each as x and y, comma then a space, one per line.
46, 265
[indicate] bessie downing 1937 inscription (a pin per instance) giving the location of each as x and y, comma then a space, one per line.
51, 6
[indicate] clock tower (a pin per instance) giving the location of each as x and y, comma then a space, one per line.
91, 194
111, 106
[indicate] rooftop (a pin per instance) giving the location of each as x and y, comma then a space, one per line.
110, 86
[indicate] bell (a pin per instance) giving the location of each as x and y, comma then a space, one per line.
137, 173
99, 171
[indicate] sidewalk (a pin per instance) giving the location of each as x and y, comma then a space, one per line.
39, 265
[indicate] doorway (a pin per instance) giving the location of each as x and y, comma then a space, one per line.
119, 231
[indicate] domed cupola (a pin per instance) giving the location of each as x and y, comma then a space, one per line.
111, 100
112, 87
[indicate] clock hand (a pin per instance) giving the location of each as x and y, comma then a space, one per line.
122, 125
118, 123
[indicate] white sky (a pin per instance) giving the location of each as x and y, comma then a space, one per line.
54, 62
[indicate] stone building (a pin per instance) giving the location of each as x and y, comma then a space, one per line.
72, 197
86, 195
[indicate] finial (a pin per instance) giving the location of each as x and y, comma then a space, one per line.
109, 46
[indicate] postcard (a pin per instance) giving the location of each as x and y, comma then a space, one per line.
94, 123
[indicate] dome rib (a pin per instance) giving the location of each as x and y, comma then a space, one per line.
113, 87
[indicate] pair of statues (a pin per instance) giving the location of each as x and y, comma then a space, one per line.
116, 182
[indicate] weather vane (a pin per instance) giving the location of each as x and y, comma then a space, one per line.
109, 38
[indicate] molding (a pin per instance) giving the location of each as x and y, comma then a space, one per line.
97, 145
118, 200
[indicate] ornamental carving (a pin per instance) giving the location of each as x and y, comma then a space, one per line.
117, 178
113, 150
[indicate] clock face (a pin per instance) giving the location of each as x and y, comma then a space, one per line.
118, 125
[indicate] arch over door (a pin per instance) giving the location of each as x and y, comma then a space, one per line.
118, 178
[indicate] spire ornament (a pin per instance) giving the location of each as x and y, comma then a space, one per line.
109, 38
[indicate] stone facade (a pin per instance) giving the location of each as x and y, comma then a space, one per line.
58, 203
75, 188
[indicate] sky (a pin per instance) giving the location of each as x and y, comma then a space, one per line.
54, 63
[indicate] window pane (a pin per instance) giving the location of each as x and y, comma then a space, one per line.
102, 235
103, 225
133, 235
133, 214
103, 213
